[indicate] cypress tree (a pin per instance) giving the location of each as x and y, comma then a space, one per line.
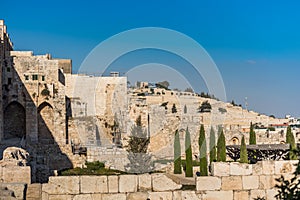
244, 153
188, 155
202, 150
221, 146
212, 146
177, 154
290, 139
252, 139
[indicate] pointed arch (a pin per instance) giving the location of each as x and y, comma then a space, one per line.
14, 121
45, 123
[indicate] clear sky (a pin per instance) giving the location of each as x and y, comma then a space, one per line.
255, 44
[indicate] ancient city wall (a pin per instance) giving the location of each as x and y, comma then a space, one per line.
228, 181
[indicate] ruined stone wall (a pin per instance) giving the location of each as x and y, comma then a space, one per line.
230, 181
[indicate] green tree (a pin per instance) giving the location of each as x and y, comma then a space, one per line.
252, 139
188, 154
184, 109
202, 150
174, 109
140, 161
221, 146
212, 146
244, 153
290, 139
205, 107
177, 154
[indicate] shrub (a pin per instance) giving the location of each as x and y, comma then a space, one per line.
177, 154
212, 146
221, 146
202, 150
291, 140
244, 153
188, 155
252, 139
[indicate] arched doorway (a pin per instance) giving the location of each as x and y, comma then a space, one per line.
14, 121
234, 141
45, 123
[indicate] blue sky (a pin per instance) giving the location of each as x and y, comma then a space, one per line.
255, 45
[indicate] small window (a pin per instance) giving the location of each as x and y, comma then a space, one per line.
9, 81
8, 69
43, 78
26, 77
34, 77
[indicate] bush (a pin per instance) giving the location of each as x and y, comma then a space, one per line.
221, 146
244, 153
188, 155
177, 154
202, 150
291, 140
212, 146
205, 107
252, 139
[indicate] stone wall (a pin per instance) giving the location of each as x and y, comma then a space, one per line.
229, 181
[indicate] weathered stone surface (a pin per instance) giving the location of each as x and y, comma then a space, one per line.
161, 195
268, 167
93, 184
137, 196
240, 195
220, 168
128, 183
16, 174
34, 191
257, 168
266, 182
232, 183
17, 188
160, 183
45, 195
250, 182
271, 194
237, 169
217, 195
62, 185
83, 197
257, 193
208, 183
285, 166
189, 195
114, 196
145, 182
113, 184
60, 197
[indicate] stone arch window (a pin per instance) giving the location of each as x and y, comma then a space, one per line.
235, 141
45, 123
14, 121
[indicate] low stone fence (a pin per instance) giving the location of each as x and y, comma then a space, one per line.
228, 181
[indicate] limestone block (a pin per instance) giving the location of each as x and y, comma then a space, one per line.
189, 195
232, 183
271, 194
145, 182
113, 184
238, 195
257, 168
16, 174
137, 196
83, 197
257, 193
17, 188
160, 183
208, 183
161, 195
60, 197
62, 185
45, 196
266, 182
118, 196
268, 167
93, 184
250, 182
34, 191
217, 195
285, 166
220, 168
237, 169
128, 183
